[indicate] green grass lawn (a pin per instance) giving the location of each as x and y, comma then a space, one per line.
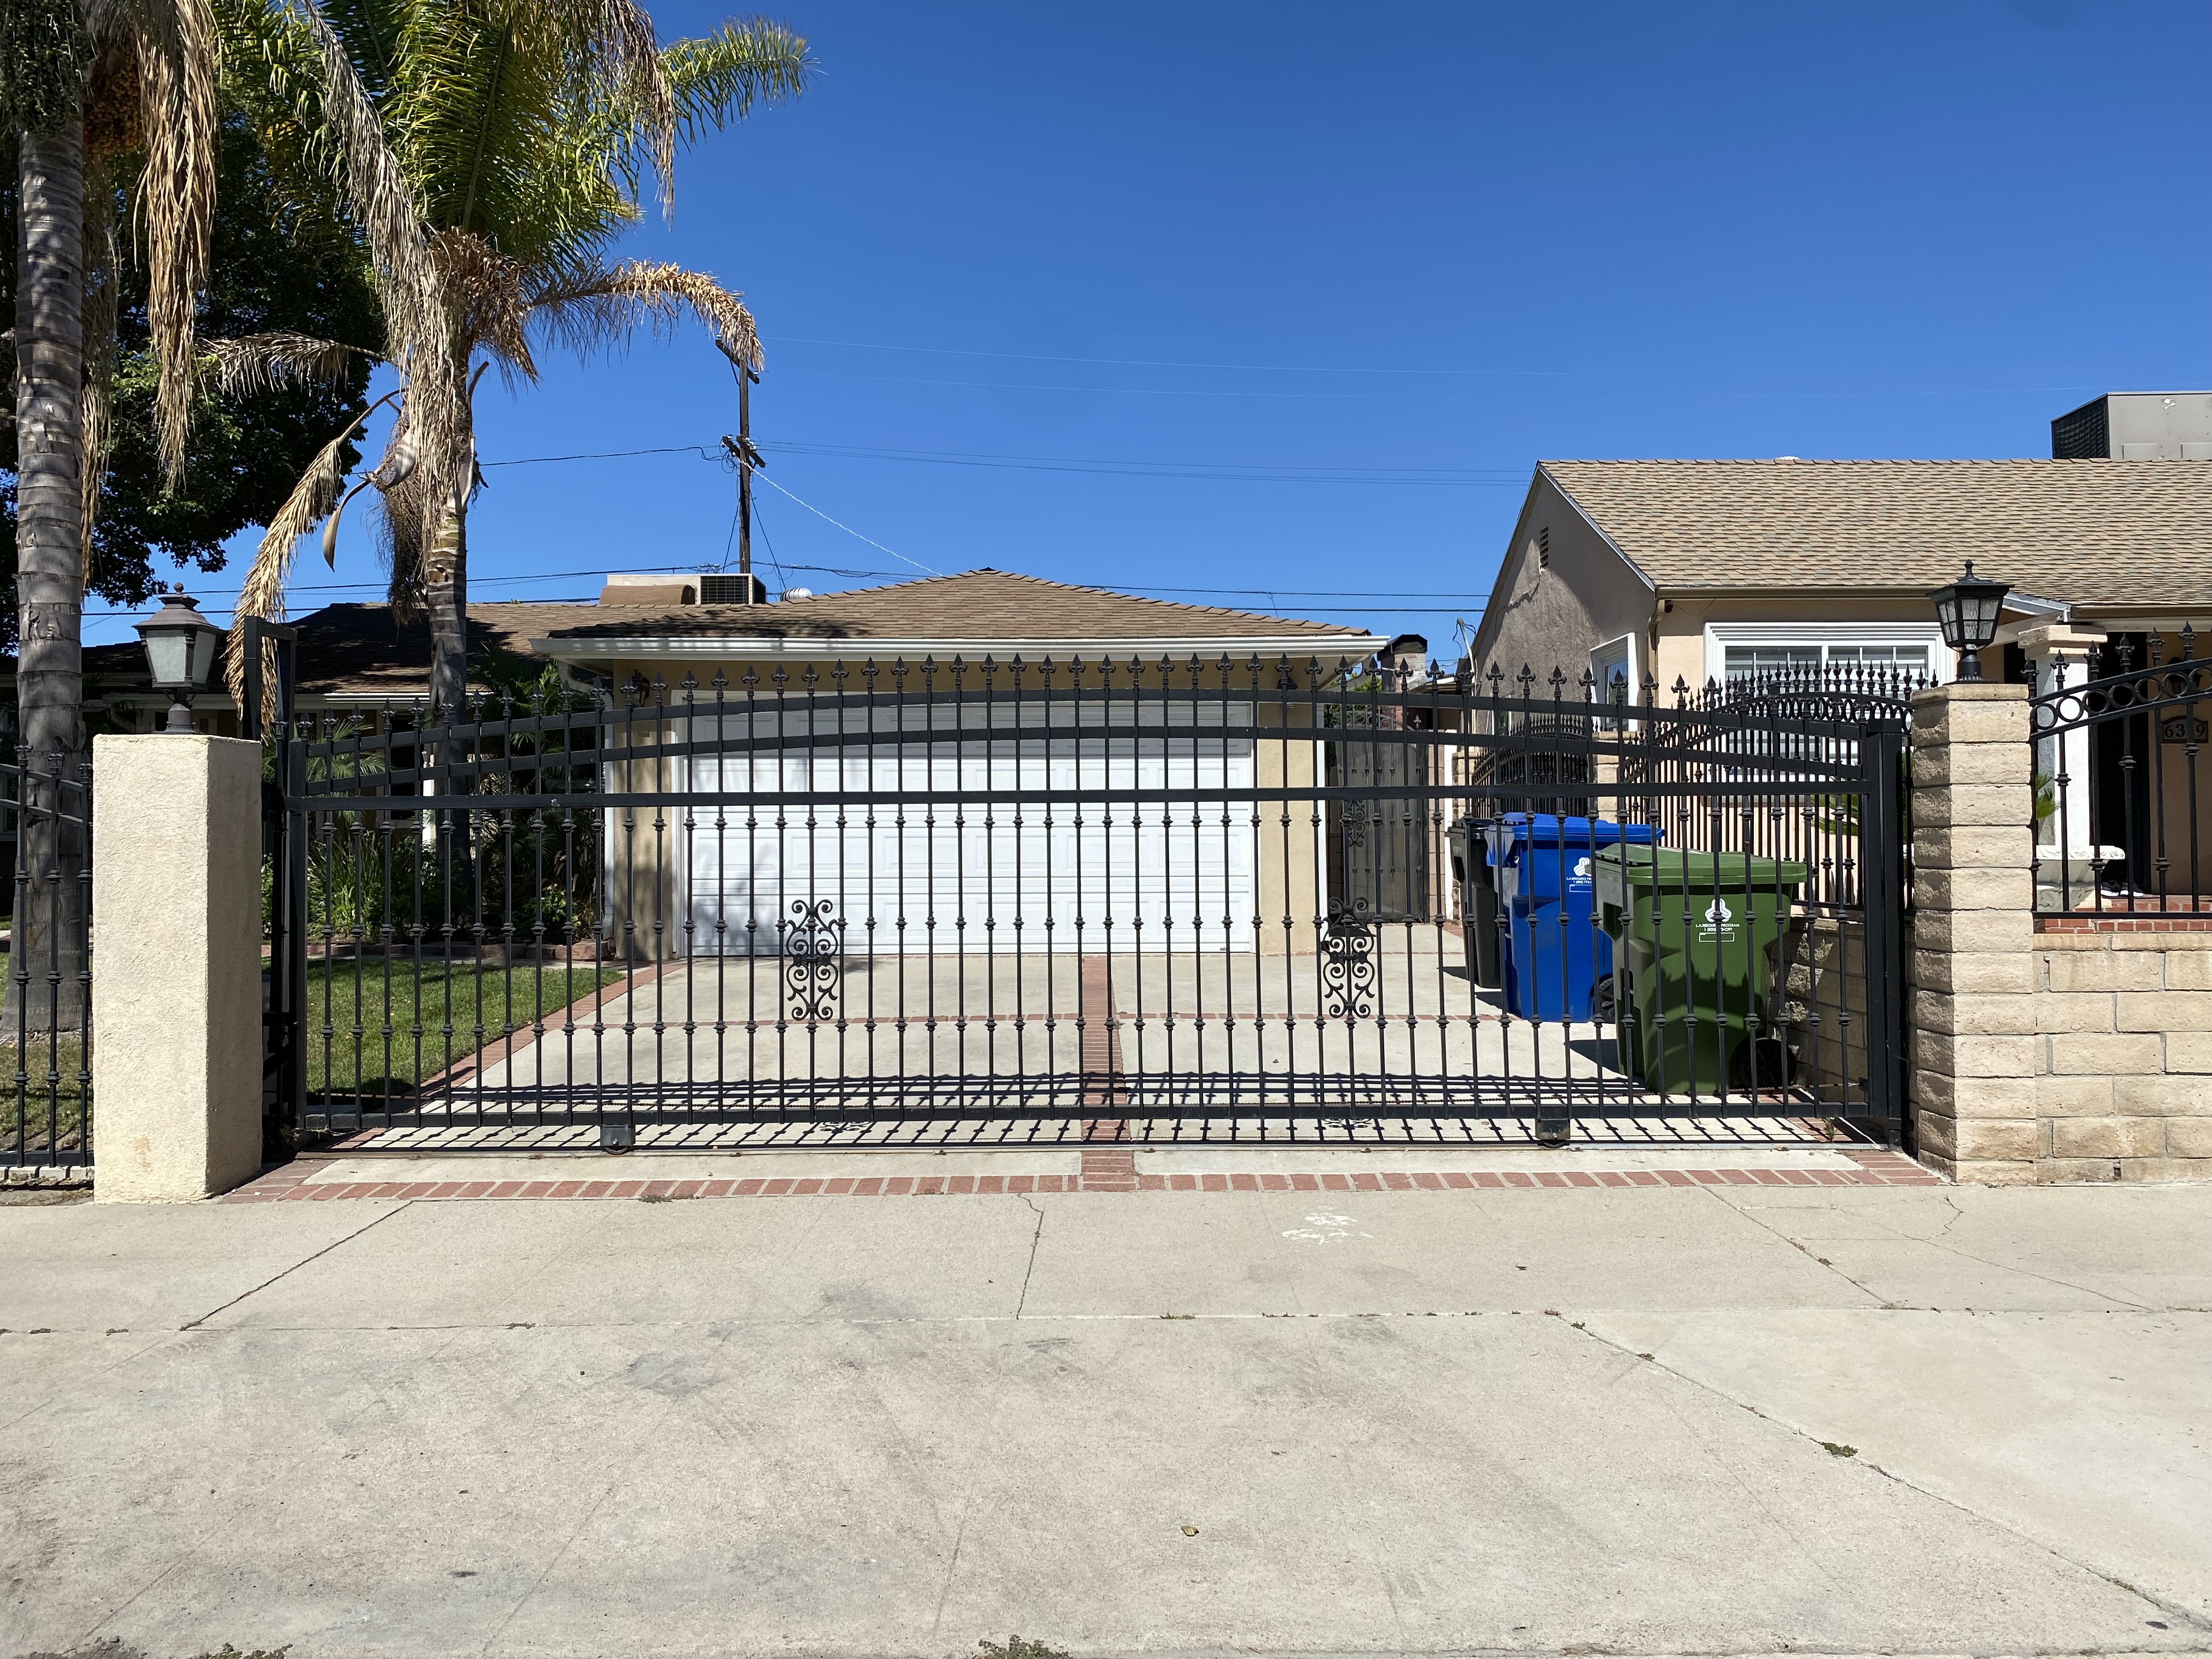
45, 1106
378, 1025
387, 1002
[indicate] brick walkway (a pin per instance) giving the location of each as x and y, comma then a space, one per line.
1109, 1169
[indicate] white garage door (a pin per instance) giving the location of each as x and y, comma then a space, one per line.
1103, 873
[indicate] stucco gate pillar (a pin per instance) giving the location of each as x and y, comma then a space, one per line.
176, 982
1973, 1062
2061, 654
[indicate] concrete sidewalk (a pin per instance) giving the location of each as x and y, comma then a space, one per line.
1652, 1421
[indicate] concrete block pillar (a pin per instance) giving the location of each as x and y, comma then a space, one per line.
176, 982
1973, 1062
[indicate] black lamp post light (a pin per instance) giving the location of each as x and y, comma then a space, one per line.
181, 649
1967, 609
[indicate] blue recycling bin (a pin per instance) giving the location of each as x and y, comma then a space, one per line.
1556, 956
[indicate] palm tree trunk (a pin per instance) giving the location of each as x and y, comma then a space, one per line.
446, 574
48, 957
446, 568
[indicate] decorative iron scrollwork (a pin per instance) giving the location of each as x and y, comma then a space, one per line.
1347, 965
813, 944
1356, 816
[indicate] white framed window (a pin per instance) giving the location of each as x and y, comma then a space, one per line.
1734, 650
1612, 674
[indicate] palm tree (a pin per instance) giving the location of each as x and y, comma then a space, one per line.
85, 84
515, 135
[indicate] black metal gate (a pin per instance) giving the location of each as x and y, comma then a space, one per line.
2122, 793
1009, 902
45, 1021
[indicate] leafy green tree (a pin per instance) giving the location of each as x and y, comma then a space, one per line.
492, 151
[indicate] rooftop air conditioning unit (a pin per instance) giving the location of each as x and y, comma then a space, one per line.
732, 590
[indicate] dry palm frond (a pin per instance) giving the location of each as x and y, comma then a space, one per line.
409, 288
176, 195
311, 498
400, 515
585, 311
486, 297
264, 362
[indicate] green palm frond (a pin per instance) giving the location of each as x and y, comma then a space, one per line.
718, 79
520, 133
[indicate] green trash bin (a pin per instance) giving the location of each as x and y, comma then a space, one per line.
1695, 936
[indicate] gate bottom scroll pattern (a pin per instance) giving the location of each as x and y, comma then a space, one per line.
813, 948
1347, 965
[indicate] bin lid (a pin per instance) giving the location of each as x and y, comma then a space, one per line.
1676, 869
1511, 831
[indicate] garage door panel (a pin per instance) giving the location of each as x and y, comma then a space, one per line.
1103, 872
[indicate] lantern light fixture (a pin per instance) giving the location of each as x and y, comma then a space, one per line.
1967, 609
181, 649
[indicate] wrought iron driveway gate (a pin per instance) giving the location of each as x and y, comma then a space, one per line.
1022, 901
45, 1021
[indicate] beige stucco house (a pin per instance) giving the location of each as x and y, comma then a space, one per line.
971, 660
1688, 573
970, 657
1691, 571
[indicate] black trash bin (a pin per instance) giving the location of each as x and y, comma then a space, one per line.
1476, 886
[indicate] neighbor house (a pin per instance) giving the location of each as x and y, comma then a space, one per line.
1664, 577
1683, 573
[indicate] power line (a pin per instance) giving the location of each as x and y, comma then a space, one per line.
1345, 369
782, 578
848, 528
1239, 472
1232, 471
1155, 362
605, 455
1147, 391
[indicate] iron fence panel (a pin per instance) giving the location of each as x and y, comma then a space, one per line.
1017, 903
46, 817
2121, 801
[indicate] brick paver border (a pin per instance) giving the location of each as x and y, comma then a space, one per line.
1116, 1172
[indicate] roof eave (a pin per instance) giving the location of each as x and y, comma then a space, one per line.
690, 648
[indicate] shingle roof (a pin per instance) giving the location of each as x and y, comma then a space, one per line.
357, 649
976, 605
2096, 533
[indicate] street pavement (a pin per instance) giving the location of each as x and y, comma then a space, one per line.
1708, 1420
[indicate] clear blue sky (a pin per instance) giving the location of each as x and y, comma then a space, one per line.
1354, 244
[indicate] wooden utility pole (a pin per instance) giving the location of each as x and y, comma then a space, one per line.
746, 453
747, 457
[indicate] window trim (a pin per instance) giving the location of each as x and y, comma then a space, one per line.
1628, 645
1720, 636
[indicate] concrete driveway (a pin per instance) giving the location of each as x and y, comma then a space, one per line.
1186, 1034
1661, 1421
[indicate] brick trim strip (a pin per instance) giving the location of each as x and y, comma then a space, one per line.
557, 1019
1104, 1170
289, 1183
2141, 922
